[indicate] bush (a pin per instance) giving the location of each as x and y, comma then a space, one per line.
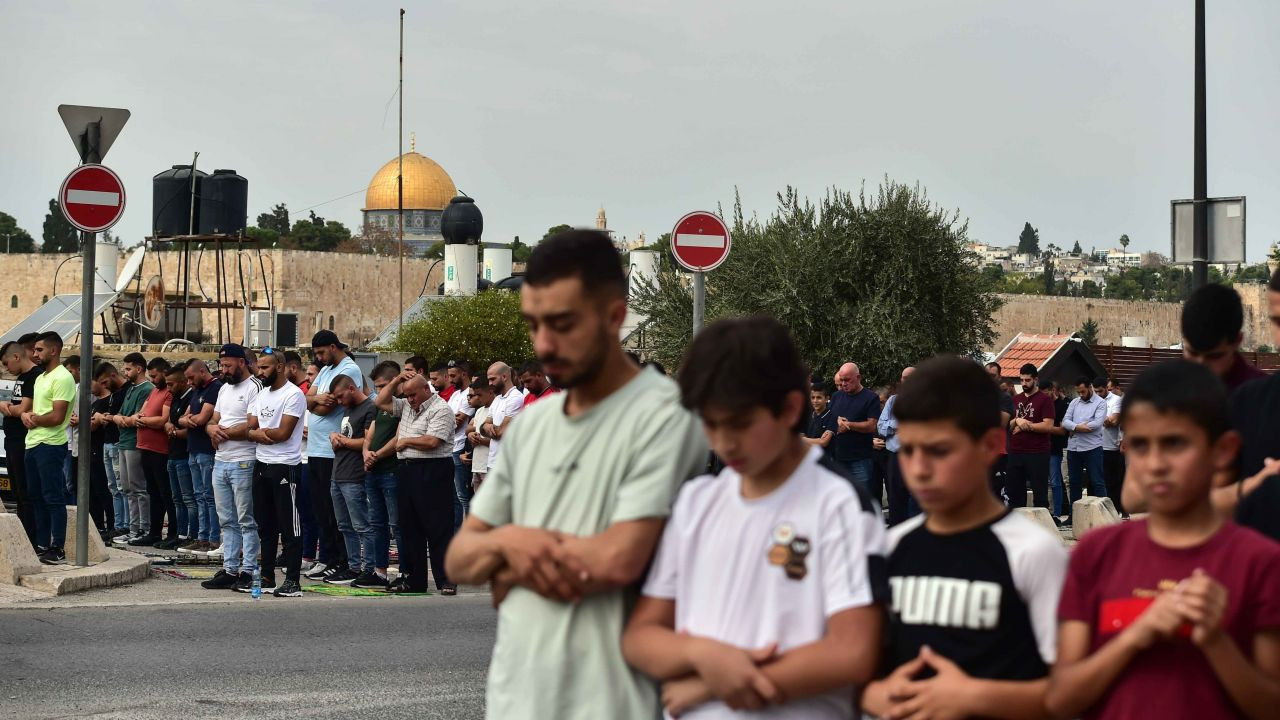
482, 329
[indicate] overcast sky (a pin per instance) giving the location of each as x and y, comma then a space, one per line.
1074, 116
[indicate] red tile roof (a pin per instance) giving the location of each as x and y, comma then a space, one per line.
1029, 348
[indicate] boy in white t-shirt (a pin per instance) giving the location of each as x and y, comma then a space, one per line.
765, 594
480, 399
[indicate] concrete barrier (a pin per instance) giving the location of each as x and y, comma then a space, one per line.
1091, 512
1042, 517
97, 550
17, 558
121, 568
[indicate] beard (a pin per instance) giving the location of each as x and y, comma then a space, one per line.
584, 372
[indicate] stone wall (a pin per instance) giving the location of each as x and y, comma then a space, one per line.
1159, 322
356, 293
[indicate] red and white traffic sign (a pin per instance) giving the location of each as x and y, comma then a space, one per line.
700, 241
92, 198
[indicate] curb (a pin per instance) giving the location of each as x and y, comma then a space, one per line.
120, 568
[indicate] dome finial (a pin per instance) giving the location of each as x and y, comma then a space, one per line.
413, 142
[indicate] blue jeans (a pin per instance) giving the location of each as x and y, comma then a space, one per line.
461, 486
201, 467
1056, 490
351, 510
1086, 460
119, 504
380, 488
46, 487
184, 497
233, 494
860, 472
68, 479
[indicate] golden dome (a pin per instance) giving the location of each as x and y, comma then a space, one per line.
426, 185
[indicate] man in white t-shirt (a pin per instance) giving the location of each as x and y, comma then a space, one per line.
460, 403
1112, 457
276, 422
481, 400
233, 459
508, 401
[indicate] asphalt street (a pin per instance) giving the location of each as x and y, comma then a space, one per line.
315, 657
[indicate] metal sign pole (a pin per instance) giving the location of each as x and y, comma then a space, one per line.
1200, 209
699, 300
88, 252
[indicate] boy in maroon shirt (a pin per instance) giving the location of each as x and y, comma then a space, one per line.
1029, 428
1178, 615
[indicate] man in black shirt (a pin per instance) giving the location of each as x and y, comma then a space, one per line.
115, 384
822, 423
1057, 446
17, 360
100, 506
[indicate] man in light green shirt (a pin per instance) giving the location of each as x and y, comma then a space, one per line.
46, 447
566, 522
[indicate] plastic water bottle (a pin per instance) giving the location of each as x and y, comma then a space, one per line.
257, 585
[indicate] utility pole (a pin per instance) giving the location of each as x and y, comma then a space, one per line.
400, 180
89, 153
1200, 198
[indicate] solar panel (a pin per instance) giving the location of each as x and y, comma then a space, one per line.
61, 315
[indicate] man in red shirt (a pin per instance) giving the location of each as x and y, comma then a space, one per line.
1033, 413
439, 377
535, 381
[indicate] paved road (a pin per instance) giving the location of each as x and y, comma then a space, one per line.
314, 657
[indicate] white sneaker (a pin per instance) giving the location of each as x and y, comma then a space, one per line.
215, 553
316, 572
306, 566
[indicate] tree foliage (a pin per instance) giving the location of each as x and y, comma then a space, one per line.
277, 220
520, 252
884, 280
481, 328
1029, 240
1089, 332
15, 239
59, 235
1075, 249
315, 233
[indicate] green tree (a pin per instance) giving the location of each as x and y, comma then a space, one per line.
1047, 278
1029, 240
436, 251
14, 238
59, 235
266, 238
1259, 273
994, 274
520, 252
1089, 332
1075, 249
482, 328
315, 233
277, 220
884, 279
1124, 243
1090, 289
556, 229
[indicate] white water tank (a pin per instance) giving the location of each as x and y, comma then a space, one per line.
497, 262
644, 264
106, 261
459, 269
1135, 341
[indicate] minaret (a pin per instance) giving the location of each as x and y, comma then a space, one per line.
602, 223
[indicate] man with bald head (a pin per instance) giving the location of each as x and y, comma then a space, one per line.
424, 489
508, 401
856, 409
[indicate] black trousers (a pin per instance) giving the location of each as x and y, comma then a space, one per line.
879, 473
333, 551
1113, 474
275, 508
1027, 470
997, 473
15, 451
100, 509
896, 487
424, 500
155, 468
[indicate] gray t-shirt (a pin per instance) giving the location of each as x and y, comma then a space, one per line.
348, 465
622, 460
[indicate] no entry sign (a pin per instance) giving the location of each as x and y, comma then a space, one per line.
92, 198
700, 241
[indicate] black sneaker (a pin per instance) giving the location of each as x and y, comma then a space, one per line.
144, 541
401, 584
343, 576
222, 580
370, 579
268, 582
289, 588
245, 583
53, 556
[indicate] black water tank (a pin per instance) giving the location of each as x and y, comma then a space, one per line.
171, 201
224, 203
461, 223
